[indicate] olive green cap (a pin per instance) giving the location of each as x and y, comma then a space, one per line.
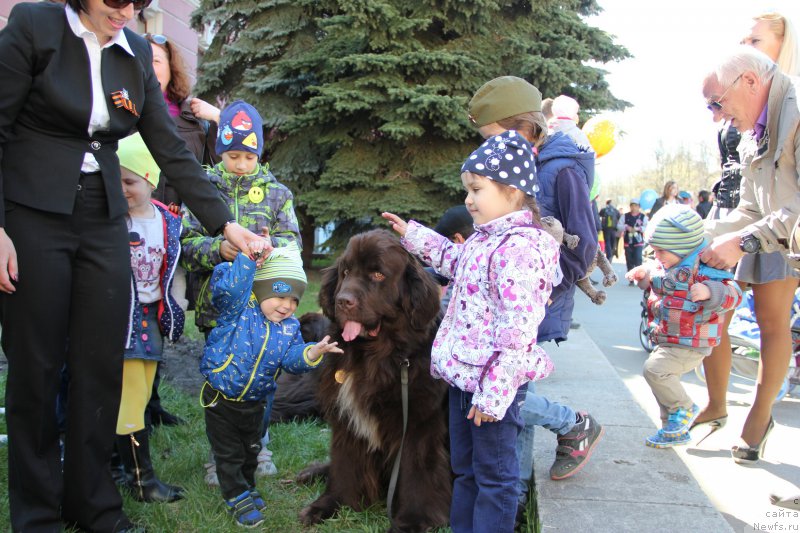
503, 97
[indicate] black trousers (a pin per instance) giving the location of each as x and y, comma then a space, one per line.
610, 238
234, 432
70, 305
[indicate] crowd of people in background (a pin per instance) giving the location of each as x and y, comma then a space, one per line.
137, 232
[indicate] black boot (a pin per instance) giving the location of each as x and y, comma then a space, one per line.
134, 449
118, 473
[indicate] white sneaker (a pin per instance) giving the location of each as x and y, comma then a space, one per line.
265, 465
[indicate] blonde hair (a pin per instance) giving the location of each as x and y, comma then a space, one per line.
532, 125
789, 57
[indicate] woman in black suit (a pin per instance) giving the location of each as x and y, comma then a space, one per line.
75, 81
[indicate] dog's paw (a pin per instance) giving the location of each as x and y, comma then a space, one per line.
313, 472
310, 516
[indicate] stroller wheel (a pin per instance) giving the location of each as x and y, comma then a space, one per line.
644, 336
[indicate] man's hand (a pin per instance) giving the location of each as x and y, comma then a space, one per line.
477, 416
397, 223
8, 263
723, 252
323, 347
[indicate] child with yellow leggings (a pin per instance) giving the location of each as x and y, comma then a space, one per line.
155, 313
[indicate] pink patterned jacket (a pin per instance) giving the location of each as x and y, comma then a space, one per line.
503, 275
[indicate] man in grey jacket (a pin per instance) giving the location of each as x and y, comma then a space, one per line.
761, 102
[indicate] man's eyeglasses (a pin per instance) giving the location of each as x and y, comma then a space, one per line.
155, 38
716, 105
138, 5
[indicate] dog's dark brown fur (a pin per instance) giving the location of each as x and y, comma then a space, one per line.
296, 395
381, 287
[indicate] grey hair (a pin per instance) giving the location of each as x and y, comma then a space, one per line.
743, 59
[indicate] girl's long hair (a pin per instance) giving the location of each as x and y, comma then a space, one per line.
531, 125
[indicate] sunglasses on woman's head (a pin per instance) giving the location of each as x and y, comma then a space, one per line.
138, 5
156, 38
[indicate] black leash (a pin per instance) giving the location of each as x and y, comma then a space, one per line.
396, 467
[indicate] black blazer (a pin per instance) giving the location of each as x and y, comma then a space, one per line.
45, 105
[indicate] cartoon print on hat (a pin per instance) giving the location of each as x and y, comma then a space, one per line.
226, 135
251, 141
241, 129
242, 122
506, 158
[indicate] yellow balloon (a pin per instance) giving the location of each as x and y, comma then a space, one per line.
602, 134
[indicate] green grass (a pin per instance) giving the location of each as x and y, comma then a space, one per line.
179, 454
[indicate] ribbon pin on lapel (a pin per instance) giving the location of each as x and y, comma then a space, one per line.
121, 99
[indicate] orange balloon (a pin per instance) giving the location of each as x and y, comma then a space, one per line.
602, 134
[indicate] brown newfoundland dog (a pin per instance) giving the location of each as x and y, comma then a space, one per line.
384, 308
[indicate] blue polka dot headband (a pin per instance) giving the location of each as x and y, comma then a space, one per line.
506, 158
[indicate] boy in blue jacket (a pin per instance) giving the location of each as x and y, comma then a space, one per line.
257, 336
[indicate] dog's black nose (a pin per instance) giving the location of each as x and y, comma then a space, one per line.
346, 301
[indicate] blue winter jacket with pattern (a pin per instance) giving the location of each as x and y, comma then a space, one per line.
245, 352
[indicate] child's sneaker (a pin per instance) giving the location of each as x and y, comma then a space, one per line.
661, 440
257, 499
211, 474
244, 510
575, 448
265, 465
680, 421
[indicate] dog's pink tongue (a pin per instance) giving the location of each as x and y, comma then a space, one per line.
351, 330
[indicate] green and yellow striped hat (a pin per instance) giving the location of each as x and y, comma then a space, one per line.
281, 275
675, 228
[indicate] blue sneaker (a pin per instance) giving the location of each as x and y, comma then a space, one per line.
660, 440
679, 422
258, 500
244, 510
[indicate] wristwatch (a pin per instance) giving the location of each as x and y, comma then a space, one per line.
750, 244
221, 229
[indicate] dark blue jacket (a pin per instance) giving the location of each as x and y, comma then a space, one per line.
566, 174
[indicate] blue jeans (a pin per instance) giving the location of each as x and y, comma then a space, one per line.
538, 411
484, 461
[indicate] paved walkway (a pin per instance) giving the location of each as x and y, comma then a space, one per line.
626, 486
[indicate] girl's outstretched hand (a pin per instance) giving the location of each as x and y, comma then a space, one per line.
477, 416
323, 347
397, 223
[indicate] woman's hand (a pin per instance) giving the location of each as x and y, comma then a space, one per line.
8, 263
477, 416
260, 250
240, 237
397, 223
204, 110
323, 347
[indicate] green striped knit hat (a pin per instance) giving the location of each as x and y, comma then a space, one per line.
281, 275
675, 228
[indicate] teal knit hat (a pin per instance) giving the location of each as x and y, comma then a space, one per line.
281, 275
675, 228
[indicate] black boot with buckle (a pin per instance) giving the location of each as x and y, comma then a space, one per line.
134, 449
